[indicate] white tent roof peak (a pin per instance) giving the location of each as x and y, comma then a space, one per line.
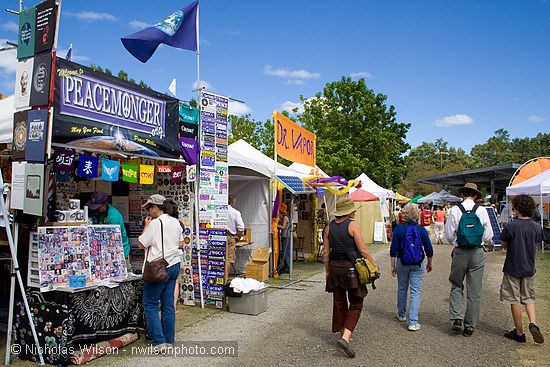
242, 154
535, 186
372, 187
6, 119
308, 170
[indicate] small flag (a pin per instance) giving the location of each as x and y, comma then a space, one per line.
178, 30
69, 53
130, 172
164, 169
110, 170
177, 172
87, 166
146, 174
172, 87
63, 160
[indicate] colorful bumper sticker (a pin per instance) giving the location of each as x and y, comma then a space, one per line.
146, 174
110, 169
164, 169
87, 166
191, 173
63, 160
130, 172
177, 173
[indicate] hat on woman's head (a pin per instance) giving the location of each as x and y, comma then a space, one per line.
283, 208
469, 190
344, 207
155, 199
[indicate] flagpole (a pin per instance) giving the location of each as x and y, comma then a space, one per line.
197, 179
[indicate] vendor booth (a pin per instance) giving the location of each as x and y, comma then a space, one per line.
105, 135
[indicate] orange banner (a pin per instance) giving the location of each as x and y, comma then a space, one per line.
293, 142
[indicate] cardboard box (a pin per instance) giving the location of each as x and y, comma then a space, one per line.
260, 254
251, 303
246, 237
258, 271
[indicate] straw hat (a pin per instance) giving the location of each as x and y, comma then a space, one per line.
344, 207
470, 189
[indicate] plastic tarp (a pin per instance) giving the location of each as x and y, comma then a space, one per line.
6, 120
416, 198
372, 187
538, 187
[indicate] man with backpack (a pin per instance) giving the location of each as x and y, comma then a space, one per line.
467, 228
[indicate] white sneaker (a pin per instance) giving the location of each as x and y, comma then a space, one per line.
401, 318
414, 327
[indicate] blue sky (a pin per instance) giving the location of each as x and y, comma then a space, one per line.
456, 70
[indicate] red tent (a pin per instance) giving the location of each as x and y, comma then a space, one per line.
363, 195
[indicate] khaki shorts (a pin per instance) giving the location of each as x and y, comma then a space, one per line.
517, 290
231, 250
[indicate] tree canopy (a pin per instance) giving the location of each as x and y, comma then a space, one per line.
356, 132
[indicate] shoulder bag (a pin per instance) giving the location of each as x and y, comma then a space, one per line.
366, 270
155, 271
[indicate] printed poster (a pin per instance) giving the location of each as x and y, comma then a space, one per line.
45, 26
27, 26
36, 136
106, 252
41, 79
34, 189
20, 128
23, 80
17, 185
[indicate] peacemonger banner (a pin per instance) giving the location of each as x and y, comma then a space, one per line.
94, 110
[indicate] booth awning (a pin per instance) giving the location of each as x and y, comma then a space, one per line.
295, 185
363, 195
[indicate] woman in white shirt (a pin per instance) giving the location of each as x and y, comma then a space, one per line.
153, 241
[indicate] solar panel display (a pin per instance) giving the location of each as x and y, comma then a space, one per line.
494, 225
295, 185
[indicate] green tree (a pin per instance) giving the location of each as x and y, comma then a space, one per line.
438, 154
122, 75
356, 132
497, 150
244, 127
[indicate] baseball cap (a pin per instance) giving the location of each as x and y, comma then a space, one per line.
155, 199
97, 199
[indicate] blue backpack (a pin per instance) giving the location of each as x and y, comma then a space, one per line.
470, 230
411, 245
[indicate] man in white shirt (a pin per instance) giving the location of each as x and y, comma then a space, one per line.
235, 229
468, 262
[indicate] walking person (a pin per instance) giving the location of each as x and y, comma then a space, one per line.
439, 224
162, 237
521, 237
343, 245
409, 248
467, 228
426, 217
235, 229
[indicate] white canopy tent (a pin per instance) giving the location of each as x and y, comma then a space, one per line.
6, 119
538, 187
372, 187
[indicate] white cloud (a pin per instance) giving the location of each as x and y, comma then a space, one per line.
10, 26
290, 106
90, 16
295, 82
287, 73
361, 74
536, 118
238, 108
203, 85
453, 120
8, 59
138, 25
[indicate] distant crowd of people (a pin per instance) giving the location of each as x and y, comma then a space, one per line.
467, 227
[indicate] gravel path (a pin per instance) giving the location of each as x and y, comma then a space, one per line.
295, 330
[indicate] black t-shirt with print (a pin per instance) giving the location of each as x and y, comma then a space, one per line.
522, 236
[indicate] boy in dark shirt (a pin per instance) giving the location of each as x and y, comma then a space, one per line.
518, 283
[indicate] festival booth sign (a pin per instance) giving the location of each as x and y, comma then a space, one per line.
293, 142
99, 112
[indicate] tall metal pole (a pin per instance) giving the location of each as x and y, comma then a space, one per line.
197, 179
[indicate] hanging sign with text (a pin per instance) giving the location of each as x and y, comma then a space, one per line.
293, 142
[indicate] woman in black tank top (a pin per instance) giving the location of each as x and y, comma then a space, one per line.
343, 244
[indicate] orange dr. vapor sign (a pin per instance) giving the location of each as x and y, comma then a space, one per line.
292, 141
